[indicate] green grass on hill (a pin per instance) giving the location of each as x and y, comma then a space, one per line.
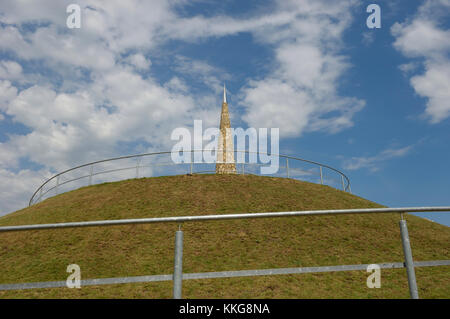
135, 250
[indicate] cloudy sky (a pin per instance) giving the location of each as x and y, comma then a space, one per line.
372, 102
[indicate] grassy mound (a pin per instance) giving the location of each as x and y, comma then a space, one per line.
136, 250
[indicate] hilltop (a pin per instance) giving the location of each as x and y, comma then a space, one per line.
135, 250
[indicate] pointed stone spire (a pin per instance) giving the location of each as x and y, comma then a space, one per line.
225, 151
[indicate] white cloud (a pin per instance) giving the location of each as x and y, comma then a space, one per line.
177, 84
373, 162
301, 92
76, 127
34, 11
139, 61
435, 85
423, 37
10, 70
56, 46
105, 99
17, 187
408, 67
201, 72
7, 93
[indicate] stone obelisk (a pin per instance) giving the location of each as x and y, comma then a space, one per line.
225, 151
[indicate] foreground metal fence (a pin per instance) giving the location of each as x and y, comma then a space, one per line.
178, 276
160, 163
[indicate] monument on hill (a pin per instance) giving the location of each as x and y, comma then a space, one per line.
225, 151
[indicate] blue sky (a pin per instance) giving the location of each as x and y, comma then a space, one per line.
374, 103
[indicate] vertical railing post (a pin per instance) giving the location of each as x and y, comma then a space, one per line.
192, 160
178, 265
409, 263
90, 175
137, 166
321, 175
57, 185
343, 184
287, 167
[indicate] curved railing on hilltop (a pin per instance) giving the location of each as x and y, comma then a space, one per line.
103, 171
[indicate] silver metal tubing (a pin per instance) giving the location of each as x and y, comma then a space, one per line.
409, 264
219, 274
321, 175
91, 171
287, 167
178, 265
57, 185
139, 156
181, 219
138, 161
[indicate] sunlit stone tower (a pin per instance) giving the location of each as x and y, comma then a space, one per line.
225, 151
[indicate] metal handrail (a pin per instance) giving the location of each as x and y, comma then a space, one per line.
184, 219
178, 275
346, 186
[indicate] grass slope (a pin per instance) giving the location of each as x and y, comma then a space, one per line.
135, 250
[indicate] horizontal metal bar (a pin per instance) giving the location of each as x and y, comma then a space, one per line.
304, 270
182, 219
284, 271
220, 274
432, 263
87, 282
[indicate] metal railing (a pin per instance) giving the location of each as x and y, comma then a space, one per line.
178, 276
290, 168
